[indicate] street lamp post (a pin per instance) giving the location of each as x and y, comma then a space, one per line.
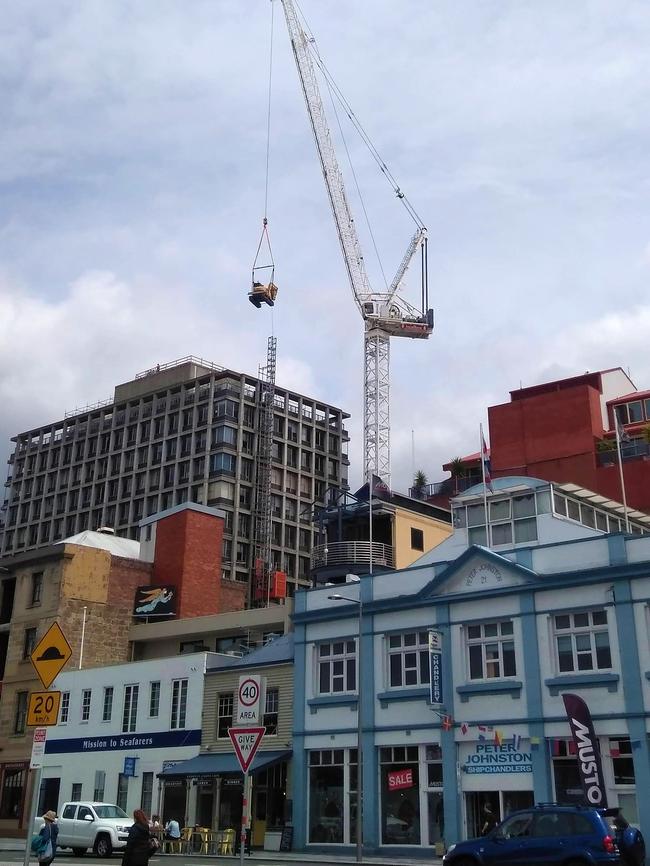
357, 601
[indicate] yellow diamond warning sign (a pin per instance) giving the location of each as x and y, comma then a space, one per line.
50, 655
43, 708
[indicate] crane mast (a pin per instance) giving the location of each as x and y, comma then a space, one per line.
385, 314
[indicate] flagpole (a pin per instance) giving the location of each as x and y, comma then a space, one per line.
485, 502
371, 484
620, 472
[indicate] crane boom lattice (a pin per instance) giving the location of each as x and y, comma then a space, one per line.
262, 512
386, 314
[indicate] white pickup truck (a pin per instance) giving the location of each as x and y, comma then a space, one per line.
100, 826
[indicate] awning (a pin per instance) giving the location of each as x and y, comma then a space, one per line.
222, 765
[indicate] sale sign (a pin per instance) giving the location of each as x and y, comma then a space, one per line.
398, 779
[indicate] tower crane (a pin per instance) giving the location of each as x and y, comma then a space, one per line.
386, 313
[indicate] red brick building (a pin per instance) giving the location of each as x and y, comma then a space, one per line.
564, 431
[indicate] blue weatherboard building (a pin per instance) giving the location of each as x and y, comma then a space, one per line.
525, 606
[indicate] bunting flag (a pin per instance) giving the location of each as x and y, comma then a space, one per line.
485, 729
621, 433
535, 741
614, 749
447, 723
464, 728
498, 738
516, 742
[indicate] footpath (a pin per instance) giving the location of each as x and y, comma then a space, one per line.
269, 857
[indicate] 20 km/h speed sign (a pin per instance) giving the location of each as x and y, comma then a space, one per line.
250, 700
43, 708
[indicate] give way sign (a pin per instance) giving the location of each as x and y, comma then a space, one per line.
246, 742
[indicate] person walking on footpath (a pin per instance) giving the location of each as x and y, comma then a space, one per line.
49, 833
139, 844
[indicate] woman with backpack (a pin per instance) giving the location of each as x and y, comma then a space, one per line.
140, 844
44, 845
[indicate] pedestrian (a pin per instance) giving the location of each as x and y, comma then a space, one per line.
172, 830
49, 832
489, 820
139, 845
630, 842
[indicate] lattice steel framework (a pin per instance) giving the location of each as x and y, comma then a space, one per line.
262, 514
376, 416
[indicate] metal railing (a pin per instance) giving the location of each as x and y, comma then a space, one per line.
341, 552
448, 487
188, 359
633, 450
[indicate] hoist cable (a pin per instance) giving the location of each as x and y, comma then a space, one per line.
358, 188
268, 123
313, 47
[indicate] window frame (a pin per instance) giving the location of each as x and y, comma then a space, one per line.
86, 702
178, 715
130, 707
417, 535
485, 642
107, 703
574, 632
225, 700
154, 699
29, 642
327, 663
64, 710
271, 713
421, 662
37, 589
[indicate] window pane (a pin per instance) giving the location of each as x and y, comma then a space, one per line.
477, 535
476, 662
581, 620
565, 653
502, 533
603, 656
490, 629
395, 670
500, 510
509, 666
524, 506
475, 515
526, 530
599, 617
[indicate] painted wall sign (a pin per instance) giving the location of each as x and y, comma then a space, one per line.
154, 601
398, 779
435, 667
155, 740
490, 759
484, 574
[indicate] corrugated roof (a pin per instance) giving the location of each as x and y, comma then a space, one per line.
278, 650
114, 544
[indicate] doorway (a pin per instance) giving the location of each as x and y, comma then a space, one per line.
48, 796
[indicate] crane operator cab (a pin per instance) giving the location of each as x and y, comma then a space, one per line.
263, 293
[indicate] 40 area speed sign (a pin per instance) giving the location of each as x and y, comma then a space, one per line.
250, 700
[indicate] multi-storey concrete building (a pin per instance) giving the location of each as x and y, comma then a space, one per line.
184, 431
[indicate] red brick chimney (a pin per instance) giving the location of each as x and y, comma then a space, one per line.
187, 548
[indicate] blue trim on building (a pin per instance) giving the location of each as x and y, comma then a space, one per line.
392, 697
299, 773
617, 549
370, 755
542, 782
583, 681
451, 805
633, 694
506, 687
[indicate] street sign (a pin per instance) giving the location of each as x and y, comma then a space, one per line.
38, 748
250, 700
50, 655
246, 742
43, 708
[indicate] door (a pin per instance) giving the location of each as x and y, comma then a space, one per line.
259, 818
510, 843
48, 796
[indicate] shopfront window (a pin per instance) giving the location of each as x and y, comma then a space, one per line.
12, 793
566, 775
326, 795
400, 795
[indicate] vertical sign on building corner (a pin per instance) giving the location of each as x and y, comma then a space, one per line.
435, 667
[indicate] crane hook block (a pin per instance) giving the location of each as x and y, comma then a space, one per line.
263, 294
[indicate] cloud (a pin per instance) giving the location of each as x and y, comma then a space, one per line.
132, 172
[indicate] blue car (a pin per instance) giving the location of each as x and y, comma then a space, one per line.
541, 836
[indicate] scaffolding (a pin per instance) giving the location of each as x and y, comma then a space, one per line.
262, 514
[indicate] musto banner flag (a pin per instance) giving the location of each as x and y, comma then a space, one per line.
591, 771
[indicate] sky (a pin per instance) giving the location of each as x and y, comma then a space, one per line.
132, 185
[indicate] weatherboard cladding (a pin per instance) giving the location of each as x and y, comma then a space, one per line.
226, 682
